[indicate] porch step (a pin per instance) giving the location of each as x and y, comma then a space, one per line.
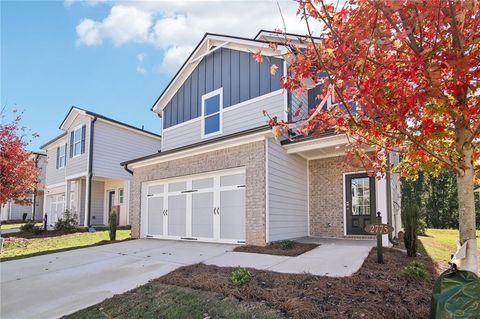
362, 237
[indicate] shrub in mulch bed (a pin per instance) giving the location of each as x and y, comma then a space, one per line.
277, 249
375, 291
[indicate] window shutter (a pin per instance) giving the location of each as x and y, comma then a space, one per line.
58, 158
72, 136
84, 131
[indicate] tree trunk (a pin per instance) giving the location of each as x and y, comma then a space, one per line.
466, 212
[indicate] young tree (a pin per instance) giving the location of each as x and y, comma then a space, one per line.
18, 172
412, 70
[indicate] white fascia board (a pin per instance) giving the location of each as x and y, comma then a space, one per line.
317, 143
71, 117
260, 136
203, 50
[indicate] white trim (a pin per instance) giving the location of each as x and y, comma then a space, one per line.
48, 187
308, 197
64, 126
267, 199
317, 143
227, 109
335, 154
75, 129
220, 112
76, 176
176, 179
260, 136
208, 52
64, 156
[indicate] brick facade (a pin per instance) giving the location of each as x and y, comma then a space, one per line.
251, 156
327, 197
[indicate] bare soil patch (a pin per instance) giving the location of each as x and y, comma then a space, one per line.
277, 249
375, 291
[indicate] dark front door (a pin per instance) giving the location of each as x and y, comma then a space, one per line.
111, 200
360, 202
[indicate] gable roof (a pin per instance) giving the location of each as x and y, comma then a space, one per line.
53, 140
209, 43
74, 110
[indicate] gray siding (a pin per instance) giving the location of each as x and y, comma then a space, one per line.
287, 194
241, 77
113, 145
78, 164
234, 120
17, 211
97, 203
42, 170
54, 175
298, 103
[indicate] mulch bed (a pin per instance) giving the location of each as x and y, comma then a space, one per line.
375, 291
276, 249
45, 234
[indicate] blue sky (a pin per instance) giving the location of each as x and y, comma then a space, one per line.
110, 57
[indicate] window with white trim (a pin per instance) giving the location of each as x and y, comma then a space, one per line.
61, 156
77, 142
121, 195
212, 109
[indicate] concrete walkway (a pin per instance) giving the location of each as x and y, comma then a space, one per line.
53, 285
9, 231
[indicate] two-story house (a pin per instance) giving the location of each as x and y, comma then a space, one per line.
221, 176
83, 172
32, 206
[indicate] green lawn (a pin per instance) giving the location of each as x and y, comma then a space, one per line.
155, 300
440, 244
15, 248
16, 225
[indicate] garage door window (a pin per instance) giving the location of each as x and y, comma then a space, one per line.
212, 108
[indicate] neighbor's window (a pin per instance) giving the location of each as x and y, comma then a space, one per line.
120, 195
212, 113
61, 155
77, 141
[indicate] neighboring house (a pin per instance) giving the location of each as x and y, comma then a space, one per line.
83, 171
221, 175
34, 205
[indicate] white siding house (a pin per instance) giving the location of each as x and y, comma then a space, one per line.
83, 172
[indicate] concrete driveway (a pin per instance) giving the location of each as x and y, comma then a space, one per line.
53, 285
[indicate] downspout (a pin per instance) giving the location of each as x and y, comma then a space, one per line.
125, 167
90, 174
392, 240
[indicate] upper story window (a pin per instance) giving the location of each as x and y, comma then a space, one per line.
61, 156
212, 113
77, 141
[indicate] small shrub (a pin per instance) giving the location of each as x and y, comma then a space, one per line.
416, 270
68, 222
28, 226
37, 230
240, 277
112, 225
287, 244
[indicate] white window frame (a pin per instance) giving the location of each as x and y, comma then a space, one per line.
121, 196
60, 156
78, 128
220, 112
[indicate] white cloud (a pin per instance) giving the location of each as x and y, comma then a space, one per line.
140, 69
175, 27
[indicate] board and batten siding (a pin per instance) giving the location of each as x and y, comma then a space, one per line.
54, 175
113, 145
287, 193
236, 119
240, 76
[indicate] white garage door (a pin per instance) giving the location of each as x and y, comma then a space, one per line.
200, 207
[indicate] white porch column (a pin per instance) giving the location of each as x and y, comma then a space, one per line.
381, 196
87, 190
68, 186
